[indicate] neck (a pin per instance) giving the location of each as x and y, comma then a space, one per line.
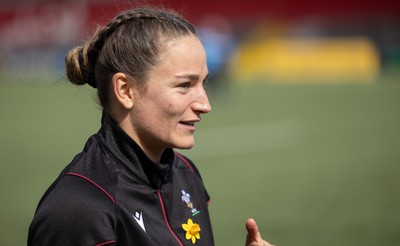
124, 122
153, 156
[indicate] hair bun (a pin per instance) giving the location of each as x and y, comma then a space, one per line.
87, 69
79, 70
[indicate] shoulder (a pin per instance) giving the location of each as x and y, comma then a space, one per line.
75, 209
75, 195
185, 162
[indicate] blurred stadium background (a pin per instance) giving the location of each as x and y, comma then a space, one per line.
304, 134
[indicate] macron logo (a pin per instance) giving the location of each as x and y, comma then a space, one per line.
139, 219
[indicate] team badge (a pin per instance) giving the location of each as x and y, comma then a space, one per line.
186, 199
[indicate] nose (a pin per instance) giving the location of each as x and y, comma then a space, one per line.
202, 104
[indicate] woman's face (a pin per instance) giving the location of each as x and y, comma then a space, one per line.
173, 98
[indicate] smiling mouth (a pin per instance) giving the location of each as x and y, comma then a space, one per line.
187, 123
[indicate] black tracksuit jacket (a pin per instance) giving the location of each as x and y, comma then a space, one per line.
113, 194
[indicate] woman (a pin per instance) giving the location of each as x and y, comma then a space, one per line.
128, 186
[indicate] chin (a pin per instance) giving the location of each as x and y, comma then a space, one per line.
185, 145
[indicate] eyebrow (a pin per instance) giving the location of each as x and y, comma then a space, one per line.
192, 76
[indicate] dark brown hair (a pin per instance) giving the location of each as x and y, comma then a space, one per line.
130, 44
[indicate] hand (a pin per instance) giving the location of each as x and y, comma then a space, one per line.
253, 235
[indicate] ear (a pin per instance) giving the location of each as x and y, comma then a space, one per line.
123, 90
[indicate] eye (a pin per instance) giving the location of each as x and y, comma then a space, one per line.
184, 86
205, 82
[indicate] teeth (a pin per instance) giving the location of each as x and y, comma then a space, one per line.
187, 123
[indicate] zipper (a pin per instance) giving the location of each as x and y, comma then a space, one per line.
165, 216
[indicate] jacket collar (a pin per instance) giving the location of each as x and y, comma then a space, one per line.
131, 156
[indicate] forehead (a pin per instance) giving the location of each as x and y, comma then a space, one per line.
183, 54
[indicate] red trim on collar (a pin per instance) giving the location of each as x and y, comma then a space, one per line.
184, 160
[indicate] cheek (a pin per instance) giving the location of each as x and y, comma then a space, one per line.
171, 107
166, 107
159, 112
169, 111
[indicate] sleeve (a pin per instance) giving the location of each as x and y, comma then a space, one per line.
74, 212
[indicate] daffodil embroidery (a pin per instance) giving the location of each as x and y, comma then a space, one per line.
192, 230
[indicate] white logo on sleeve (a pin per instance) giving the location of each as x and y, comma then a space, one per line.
139, 219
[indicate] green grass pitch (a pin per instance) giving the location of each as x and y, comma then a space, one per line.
315, 165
